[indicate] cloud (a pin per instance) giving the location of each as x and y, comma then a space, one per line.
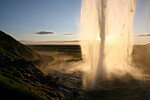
52, 33
63, 41
45, 33
68, 34
143, 35
69, 42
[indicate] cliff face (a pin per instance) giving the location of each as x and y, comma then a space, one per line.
141, 57
19, 78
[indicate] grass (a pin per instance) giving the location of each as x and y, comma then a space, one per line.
10, 89
17, 88
60, 53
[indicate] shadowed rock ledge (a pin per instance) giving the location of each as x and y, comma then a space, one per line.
19, 77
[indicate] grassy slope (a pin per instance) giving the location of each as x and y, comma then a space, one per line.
19, 78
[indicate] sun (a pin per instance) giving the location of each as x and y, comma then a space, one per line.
98, 37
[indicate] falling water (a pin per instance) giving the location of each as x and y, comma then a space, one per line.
106, 39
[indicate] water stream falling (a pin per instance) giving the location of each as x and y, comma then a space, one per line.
106, 39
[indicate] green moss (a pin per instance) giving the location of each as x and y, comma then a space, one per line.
14, 90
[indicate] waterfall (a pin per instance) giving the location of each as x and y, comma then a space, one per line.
106, 39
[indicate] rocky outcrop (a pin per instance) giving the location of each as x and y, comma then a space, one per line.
19, 77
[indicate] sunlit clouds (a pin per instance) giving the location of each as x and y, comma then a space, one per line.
142, 35
68, 34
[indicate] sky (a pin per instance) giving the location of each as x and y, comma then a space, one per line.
57, 20
142, 22
22, 18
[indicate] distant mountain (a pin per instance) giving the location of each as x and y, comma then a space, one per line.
19, 77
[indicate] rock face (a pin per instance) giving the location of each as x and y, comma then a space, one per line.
19, 78
141, 56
